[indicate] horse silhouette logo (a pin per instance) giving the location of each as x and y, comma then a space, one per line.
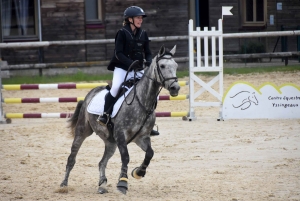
244, 99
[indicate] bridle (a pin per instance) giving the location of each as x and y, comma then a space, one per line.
160, 73
156, 82
162, 79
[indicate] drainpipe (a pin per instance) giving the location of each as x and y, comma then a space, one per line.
41, 49
197, 13
1, 39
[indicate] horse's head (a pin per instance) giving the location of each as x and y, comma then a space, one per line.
252, 98
165, 70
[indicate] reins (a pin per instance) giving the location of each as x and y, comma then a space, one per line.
134, 86
161, 84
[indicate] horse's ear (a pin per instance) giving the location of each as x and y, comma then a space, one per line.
173, 50
161, 51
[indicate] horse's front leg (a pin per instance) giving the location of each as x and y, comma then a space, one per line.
145, 145
109, 151
122, 185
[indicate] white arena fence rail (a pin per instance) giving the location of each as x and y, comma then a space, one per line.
154, 39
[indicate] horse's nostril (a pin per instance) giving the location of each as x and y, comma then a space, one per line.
175, 88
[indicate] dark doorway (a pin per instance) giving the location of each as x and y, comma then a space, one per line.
204, 13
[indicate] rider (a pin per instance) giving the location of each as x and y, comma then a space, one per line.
131, 44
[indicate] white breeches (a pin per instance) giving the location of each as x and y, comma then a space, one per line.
118, 79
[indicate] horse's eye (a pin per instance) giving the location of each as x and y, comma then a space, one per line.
162, 66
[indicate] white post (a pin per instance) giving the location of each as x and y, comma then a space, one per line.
2, 120
198, 48
3, 75
220, 27
191, 66
205, 47
213, 48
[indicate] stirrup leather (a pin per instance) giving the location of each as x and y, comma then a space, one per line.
103, 119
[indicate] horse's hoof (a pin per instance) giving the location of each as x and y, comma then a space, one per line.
102, 190
63, 184
122, 190
134, 174
122, 185
63, 189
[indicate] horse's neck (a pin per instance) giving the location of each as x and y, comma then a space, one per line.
147, 89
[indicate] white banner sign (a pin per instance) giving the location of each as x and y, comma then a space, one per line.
244, 101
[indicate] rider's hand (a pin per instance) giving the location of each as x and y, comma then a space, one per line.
136, 66
147, 63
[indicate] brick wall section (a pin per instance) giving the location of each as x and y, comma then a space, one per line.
63, 20
95, 52
164, 18
289, 16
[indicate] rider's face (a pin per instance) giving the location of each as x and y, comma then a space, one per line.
138, 20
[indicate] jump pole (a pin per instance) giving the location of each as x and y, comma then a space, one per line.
74, 99
182, 114
61, 86
52, 86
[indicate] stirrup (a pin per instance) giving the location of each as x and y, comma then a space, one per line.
103, 119
154, 133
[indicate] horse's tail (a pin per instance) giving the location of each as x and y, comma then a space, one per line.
73, 120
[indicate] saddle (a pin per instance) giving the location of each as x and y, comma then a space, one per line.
125, 86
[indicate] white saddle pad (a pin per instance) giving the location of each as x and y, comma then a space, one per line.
96, 105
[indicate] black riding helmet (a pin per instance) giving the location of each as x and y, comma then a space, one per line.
134, 11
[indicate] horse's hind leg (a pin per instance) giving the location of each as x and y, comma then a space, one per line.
110, 148
145, 145
80, 135
78, 140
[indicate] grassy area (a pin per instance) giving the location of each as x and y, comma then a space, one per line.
82, 77
78, 77
247, 70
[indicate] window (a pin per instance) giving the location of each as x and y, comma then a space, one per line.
93, 11
254, 12
19, 20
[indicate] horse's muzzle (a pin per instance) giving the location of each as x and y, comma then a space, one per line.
174, 89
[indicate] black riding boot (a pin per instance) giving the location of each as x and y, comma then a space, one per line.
154, 133
108, 108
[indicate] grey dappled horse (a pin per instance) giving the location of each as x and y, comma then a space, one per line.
133, 123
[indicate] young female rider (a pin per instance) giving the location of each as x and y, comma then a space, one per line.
131, 44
